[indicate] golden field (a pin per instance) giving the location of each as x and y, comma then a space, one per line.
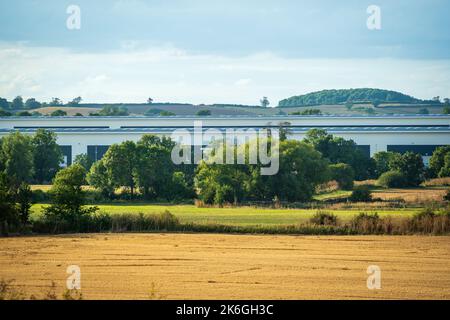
214, 266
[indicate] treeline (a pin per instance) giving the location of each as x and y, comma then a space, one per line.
144, 170
342, 96
18, 103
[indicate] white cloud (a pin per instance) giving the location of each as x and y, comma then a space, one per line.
168, 73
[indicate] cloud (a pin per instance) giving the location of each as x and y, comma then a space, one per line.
243, 82
168, 73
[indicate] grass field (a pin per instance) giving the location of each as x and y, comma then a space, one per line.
240, 216
193, 266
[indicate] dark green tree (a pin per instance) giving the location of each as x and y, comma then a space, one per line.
411, 165
47, 155
17, 155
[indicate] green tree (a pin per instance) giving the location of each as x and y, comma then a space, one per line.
17, 158
437, 161
8, 209
76, 101
4, 104
343, 174
154, 167
4, 113
17, 103
264, 102
382, 160
58, 113
204, 113
301, 170
121, 162
24, 198
84, 160
411, 165
339, 150
110, 111
68, 207
99, 178
47, 155
32, 104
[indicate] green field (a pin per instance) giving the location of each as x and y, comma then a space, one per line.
241, 216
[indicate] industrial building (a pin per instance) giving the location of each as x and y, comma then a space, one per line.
93, 135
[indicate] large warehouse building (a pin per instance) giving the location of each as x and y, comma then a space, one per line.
93, 135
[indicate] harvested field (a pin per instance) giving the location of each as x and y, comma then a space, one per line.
203, 266
417, 195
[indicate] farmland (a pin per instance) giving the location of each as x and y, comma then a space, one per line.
237, 216
193, 266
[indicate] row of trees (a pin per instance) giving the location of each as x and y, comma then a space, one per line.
18, 103
146, 168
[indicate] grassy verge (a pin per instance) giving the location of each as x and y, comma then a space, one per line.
241, 216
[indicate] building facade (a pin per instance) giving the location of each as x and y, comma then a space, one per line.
93, 135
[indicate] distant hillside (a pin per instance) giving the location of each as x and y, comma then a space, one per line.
342, 96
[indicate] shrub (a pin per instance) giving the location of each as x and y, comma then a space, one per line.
141, 222
392, 179
361, 194
429, 221
447, 195
324, 219
366, 223
343, 174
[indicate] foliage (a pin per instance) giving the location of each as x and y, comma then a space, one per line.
204, 112
84, 160
440, 162
382, 161
339, 150
411, 166
4, 113
361, 194
344, 95
392, 179
343, 174
32, 104
307, 112
264, 102
17, 103
110, 111
68, 208
58, 113
47, 155
17, 158
324, 219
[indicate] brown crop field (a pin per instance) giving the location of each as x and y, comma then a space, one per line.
210, 266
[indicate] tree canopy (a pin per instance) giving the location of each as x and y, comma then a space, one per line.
343, 96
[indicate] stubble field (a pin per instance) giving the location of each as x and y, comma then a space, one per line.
213, 266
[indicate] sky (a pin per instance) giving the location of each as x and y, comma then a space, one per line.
210, 51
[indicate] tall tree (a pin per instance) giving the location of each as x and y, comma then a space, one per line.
17, 103
17, 158
47, 155
264, 102
120, 161
411, 165
32, 103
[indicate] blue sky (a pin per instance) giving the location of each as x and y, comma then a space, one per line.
210, 51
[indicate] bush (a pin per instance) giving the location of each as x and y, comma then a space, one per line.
343, 174
141, 222
392, 179
324, 219
366, 223
361, 194
429, 221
